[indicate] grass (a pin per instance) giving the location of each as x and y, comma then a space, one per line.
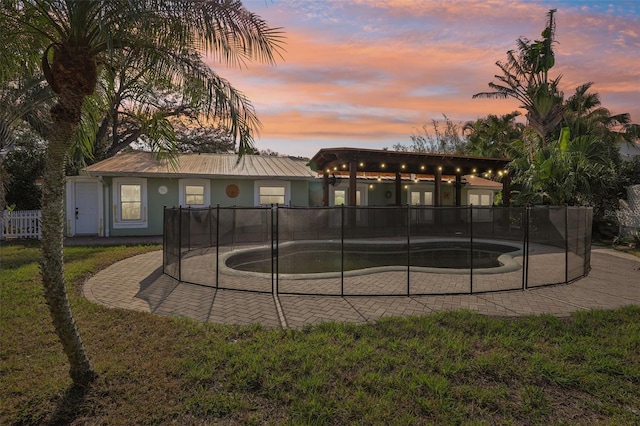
445, 368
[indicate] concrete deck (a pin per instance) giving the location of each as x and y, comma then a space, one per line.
138, 283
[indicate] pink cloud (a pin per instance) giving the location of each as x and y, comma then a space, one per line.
377, 70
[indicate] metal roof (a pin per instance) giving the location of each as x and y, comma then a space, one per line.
144, 164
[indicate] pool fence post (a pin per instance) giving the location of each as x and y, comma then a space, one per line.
180, 243
566, 243
585, 268
164, 237
408, 249
210, 226
217, 244
271, 251
342, 250
471, 248
189, 224
233, 227
274, 249
525, 246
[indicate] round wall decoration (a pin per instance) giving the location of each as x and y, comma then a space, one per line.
162, 190
387, 195
232, 191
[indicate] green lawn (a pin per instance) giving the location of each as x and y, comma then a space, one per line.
445, 368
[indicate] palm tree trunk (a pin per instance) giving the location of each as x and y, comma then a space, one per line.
51, 266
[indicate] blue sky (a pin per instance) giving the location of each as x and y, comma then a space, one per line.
370, 73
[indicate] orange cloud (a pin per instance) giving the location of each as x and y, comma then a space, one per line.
370, 70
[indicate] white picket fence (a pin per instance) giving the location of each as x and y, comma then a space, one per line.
20, 224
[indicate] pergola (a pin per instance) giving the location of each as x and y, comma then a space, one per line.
355, 160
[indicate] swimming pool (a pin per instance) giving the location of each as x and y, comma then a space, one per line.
306, 259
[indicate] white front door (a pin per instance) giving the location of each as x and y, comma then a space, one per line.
86, 208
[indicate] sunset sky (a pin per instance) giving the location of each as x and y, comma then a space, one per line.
360, 73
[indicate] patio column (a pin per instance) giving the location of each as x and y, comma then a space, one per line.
398, 189
325, 188
437, 190
353, 183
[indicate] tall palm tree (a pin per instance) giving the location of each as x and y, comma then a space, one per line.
525, 77
75, 38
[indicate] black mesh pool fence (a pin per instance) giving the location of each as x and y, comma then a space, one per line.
399, 250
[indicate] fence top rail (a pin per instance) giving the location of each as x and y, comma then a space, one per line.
401, 207
180, 208
22, 212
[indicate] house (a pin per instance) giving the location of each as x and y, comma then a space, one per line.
126, 194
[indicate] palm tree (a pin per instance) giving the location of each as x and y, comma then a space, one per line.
74, 39
578, 172
525, 77
133, 105
23, 104
585, 115
493, 136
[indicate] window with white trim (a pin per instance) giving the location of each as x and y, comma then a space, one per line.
195, 192
271, 195
272, 192
480, 199
129, 203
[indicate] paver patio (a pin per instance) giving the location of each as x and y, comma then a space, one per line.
138, 283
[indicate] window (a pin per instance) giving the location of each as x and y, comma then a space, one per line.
130, 203
271, 195
269, 192
340, 197
480, 199
195, 192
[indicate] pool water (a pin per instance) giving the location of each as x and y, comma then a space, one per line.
311, 260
